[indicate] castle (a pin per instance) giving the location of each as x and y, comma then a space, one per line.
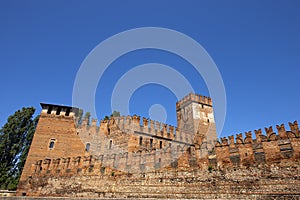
130, 156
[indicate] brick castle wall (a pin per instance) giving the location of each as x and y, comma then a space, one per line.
135, 153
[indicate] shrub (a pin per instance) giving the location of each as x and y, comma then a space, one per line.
210, 168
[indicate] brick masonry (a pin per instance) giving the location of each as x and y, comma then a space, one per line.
134, 157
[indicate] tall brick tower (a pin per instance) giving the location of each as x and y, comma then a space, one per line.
195, 116
55, 137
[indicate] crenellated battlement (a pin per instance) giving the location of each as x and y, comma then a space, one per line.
234, 151
58, 110
132, 124
122, 162
64, 146
92, 130
194, 98
195, 115
138, 123
272, 147
270, 135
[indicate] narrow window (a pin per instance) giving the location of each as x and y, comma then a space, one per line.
159, 160
141, 140
202, 105
110, 144
160, 144
51, 144
170, 144
208, 120
151, 143
87, 147
40, 165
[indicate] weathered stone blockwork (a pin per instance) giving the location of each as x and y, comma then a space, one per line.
135, 157
251, 182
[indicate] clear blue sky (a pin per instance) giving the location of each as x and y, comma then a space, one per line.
255, 44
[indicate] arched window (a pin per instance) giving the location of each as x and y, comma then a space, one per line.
51, 144
87, 147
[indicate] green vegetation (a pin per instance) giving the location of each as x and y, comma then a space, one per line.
15, 139
102, 170
79, 114
87, 117
106, 118
210, 168
115, 114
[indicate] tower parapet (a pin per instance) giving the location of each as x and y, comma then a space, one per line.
193, 98
195, 115
58, 110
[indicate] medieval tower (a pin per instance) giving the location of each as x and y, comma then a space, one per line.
195, 116
136, 157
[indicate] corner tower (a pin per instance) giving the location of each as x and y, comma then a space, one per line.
55, 136
195, 115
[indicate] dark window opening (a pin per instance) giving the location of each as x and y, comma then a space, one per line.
68, 112
208, 120
52, 142
151, 143
58, 111
141, 140
246, 154
159, 160
49, 110
170, 144
39, 166
51, 145
102, 170
202, 105
160, 144
110, 144
87, 147
24, 194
